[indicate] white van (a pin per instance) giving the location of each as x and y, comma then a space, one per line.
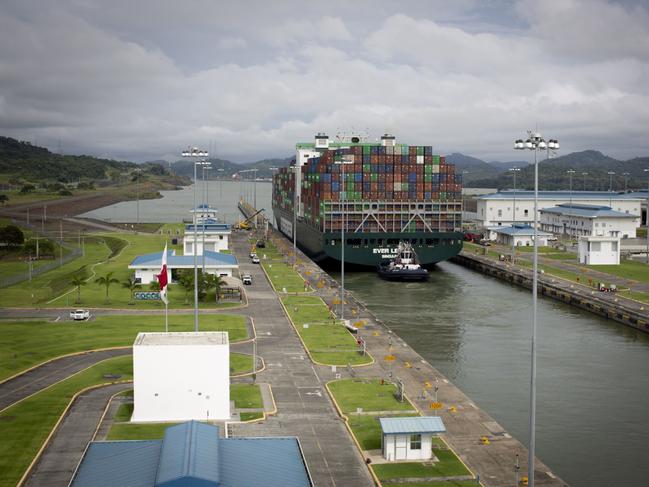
246, 279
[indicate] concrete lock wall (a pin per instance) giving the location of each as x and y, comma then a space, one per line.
181, 382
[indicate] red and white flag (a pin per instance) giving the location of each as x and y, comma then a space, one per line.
162, 277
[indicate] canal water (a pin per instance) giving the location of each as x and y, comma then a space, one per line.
593, 374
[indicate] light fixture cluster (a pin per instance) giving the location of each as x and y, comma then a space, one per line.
194, 152
535, 141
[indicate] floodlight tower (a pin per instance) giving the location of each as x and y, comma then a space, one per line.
536, 143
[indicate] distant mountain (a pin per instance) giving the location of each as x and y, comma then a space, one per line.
553, 173
23, 160
476, 169
222, 168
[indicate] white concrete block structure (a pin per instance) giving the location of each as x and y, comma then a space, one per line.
497, 209
147, 266
578, 220
409, 438
181, 376
522, 235
211, 236
599, 250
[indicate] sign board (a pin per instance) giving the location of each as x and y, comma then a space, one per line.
146, 295
305, 325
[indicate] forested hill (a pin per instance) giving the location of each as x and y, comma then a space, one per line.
24, 160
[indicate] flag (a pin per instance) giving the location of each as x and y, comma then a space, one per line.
162, 277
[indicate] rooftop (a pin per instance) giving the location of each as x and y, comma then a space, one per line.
553, 195
519, 229
193, 454
203, 208
587, 211
420, 424
154, 260
182, 338
210, 225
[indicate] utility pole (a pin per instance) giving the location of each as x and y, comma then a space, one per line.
61, 242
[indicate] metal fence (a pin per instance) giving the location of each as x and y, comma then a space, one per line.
74, 252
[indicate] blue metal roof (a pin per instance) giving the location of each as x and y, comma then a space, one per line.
209, 224
519, 229
588, 211
192, 454
204, 208
553, 195
412, 425
154, 260
123, 463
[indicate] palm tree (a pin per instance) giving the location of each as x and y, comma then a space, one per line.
154, 286
131, 284
186, 280
106, 281
214, 281
77, 280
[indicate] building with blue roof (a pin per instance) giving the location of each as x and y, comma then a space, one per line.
211, 235
520, 235
498, 209
578, 220
193, 454
409, 438
147, 266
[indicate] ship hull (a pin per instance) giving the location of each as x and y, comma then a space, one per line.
368, 249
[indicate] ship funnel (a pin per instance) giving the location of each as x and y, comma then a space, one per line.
321, 141
388, 140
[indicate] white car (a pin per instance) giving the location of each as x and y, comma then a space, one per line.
80, 314
246, 279
255, 260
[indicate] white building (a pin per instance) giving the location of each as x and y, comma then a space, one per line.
599, 250
409, 438
215, 237
578, 219
522, 235
147, 266
181, 376
498, 208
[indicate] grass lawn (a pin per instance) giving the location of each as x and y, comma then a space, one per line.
24, 427
448, 465
636, 271
250, 416
370, 395
26, 343
246, 396
282, 275
128, 431
441, 483
240, 363
328, 341
110, 252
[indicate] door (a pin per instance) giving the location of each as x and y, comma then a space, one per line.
401, 447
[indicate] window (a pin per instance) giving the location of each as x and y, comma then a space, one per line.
415, 442
526, 212
614, 246
500, 212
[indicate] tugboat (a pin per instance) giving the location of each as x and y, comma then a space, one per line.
404, 267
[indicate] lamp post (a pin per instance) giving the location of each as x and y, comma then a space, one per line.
610, 188
296, 191
584, 174
206, 204
137, 196
464, 173
514, 170
198, 154
647, 218
570, 173
626, 175
535, 143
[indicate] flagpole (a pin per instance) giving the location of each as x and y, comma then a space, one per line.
166, 318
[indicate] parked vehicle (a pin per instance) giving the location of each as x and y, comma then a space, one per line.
255, 260
261, 244
80, 314
246, 279
473, 237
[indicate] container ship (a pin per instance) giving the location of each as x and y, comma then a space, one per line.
375, 194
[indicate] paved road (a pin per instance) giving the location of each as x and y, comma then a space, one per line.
304, 408
30, 382
59, 461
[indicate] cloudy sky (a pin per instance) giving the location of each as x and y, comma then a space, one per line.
142, 79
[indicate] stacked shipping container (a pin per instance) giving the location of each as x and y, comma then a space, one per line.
386, 188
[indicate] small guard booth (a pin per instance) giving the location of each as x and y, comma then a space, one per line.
409, 438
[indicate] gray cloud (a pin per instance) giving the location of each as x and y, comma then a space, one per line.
142, 81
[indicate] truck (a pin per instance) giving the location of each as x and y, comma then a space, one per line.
79, 314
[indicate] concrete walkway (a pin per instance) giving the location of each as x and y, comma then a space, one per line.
60, 459
33, 381
304, 408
